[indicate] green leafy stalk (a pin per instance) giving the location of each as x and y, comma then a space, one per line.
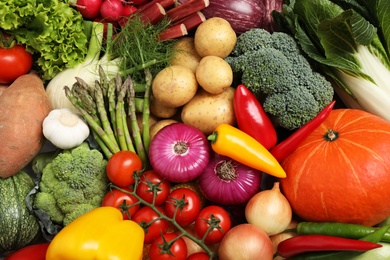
119, 113
112, 146
146, 110
136, 134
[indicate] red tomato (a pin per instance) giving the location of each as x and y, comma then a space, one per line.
215, 216
159, 250
146, 217
122, 201
14, 62
199, 256
121, 166
151, 182
188, 204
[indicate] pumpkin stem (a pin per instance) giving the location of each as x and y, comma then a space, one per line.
331, 135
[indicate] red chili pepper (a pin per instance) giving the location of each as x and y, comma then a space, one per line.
252, 119
287, 146
314, 243
31, 252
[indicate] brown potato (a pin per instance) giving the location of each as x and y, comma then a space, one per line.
174, 86
214, 74
160, 110
185, 53
215, 36
206, 111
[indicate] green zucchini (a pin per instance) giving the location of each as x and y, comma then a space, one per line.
18, 226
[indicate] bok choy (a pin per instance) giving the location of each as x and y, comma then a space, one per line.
349, 40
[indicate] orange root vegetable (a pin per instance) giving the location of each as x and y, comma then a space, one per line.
23, 107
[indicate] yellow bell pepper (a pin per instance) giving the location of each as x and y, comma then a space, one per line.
100, 234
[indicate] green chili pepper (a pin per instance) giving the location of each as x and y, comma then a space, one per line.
337, 229
374, 237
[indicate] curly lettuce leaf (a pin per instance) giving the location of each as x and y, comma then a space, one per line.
51, 30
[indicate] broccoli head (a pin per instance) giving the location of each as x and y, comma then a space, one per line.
72, 183
272, 66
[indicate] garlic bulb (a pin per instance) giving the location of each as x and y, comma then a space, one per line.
64, 128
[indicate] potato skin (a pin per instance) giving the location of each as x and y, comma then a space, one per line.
206, 111
174, 86
215, 36
185, 53
23, 107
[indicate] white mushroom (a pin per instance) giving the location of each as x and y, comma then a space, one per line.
64, 128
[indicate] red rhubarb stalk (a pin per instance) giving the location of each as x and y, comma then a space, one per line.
153, 14
173, 32
192, 21
185, 9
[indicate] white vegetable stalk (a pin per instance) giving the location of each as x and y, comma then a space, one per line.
371, 96
88, 71
65, 129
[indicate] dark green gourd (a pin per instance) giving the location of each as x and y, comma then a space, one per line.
18, 226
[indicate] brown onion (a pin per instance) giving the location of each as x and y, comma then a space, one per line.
245, 241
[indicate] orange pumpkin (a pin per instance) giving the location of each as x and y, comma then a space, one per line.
341, 172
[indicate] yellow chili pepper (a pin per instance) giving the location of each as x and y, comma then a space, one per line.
230, 141
100, 234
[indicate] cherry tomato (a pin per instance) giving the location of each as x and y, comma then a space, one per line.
121, 166
14, 62
159, 250
122, 201
151, 182
198, 256
188, 204
146, 217
215, 216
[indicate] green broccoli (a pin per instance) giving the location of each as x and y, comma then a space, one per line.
272, 66
72, 183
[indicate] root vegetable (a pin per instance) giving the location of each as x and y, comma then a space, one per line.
215, 36
206, 111
184, 53
214, 74
160, 110
174, 86
23, 107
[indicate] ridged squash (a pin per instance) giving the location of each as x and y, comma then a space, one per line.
341, 171
18, 226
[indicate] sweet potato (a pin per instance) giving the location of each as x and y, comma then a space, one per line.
23, 107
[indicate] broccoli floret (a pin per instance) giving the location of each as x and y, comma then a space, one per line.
272, 66
73, 183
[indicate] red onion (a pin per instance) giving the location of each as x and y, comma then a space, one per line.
228, 182
244, 15
179, 152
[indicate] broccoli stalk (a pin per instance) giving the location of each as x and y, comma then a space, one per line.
272, 66
72, 183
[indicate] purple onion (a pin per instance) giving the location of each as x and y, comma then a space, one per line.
228, 182
179, 152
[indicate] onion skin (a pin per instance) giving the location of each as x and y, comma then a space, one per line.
245, 242
240, 184
181, 165
241, 14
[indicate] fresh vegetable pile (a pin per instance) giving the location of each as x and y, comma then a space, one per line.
162, 129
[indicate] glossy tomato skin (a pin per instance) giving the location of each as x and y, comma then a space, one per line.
178, 248
151, 179
198, 256
146, 215
121, 166
122, 201
14, 62
188, 213
212, 214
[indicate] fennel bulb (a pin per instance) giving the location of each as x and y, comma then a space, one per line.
88, 70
